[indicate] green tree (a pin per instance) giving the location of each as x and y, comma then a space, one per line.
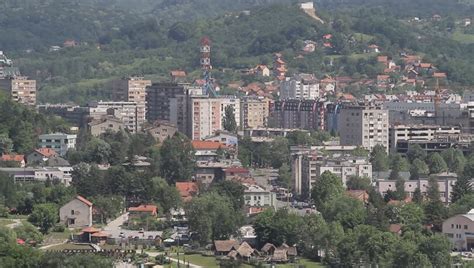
166, 195
98, 151
278, 227
6, 144
418, 168
416, 152
417, 196
53, 259
177, 158
454, 159
28, 233
463, 205
44, 216
410, 214
280, 152
400, 192
436, 164
462, 187
284, 175
359, 183
360, 151
107, 207
299, 138
229, 119
212, 217
234, 191
438, 249
329, 186
379, 158
346, 210
435, 210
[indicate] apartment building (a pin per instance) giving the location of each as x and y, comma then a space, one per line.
133, 89
398, 133
257, 196
302, 114
206, 117
308, 165
20, 88
122, 110
59, 142
158, 96
363, 126
254, 112
459, 230
300, 86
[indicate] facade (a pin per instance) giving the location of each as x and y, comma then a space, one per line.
300, 86
224, 137
20, 88
206, 117
142, 211
162, 130
298, 114
101, 126
445, 187
256, 196
76, 213
133, 89
459, 230
158, 97
418, 133
253, 112
309, 165
125, 111
363, 126
59, 142
17, 159
40, 156
43, 174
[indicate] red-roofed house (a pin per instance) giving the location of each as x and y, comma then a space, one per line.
187, 190
40, 155
207, 150
177, 75
17, 159
142, 211
76, 213
439, 75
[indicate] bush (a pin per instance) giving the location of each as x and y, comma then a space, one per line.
59, 228
161, 260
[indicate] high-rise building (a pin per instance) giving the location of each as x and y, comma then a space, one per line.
300, 86
303, 114
133, 89
254, 112
363, 126
122, 110
158, 97
20, 88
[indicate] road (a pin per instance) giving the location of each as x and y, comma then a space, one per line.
117, 223
154, 254
16, 223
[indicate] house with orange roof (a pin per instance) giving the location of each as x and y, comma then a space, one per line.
76, 213
40, 156
178, 75
187, 190
142, 211
16, 159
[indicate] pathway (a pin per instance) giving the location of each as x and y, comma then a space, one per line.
154, 254
16, 223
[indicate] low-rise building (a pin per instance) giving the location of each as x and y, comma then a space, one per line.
43, 174
187, 190
59, 142
162, 130
257, 196
39, 156
101, 126
76, 213
142, 211
459, 230
17, 160
125, 111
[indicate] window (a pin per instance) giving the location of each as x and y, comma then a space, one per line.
465, 227
72, 212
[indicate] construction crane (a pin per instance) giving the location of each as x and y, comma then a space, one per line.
206, 66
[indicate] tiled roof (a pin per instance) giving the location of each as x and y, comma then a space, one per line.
207, 145
144, 208
46, 152
187, 190
12, 157
83, 200
178, 73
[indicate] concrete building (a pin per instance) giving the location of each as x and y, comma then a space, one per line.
459, 230
308, 165
59, 142
253, 112
363, 126
158, 97
445, 183
101, 126
300, 86
76, 213
20, 88
125, 111
406, 133
301, 114
257, 196
162, 130
133, 89
40, 174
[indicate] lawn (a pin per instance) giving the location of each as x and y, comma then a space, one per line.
201, 260
463, 38
5, 222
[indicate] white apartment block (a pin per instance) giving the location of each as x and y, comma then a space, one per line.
300, 86
59, 142
207, 114
133, 89
257, 196
363, 126
125, 111
308, 166
418, 133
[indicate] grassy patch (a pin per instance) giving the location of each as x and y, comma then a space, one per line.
69, 246
363, 37
201, 260
463, 38
306, 262
5, 222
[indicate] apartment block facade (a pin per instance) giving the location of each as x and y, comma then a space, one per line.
59, 142
254, 112
363, 126
300, 86
20, 88
302, 114
133, 89
122, 110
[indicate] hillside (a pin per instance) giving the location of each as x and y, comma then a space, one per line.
151, 47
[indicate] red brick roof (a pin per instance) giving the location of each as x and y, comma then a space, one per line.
207, 145
48, 152
90, 230
12, 157
144, 208
178, 73
83, 200
187, 190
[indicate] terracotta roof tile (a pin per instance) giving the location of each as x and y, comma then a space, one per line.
207, 145
144, 208
187, 190
83, 200
12, 157
48, 152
